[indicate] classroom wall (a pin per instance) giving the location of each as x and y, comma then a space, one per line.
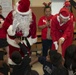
36, 3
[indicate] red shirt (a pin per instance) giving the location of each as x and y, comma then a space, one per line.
2, 32
42, 21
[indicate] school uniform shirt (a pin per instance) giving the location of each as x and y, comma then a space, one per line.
47, 66
23, 67
42, 21
4, 69
60, 71
64, 30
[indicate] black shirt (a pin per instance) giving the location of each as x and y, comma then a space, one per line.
4, 69
47, 66
20, 69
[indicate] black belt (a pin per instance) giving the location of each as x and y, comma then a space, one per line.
22, 38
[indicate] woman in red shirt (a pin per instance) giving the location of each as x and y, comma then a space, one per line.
44, 24
3, 41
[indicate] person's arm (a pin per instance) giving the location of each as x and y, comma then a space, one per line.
74, 24
26, 60
34, 61
40, 59
54, 31
33, 30
59, 47
47, 24
8, 21
68, 32
22, 47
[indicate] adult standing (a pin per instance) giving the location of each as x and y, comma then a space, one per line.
44, 24
20, 23
62, 30
3, 41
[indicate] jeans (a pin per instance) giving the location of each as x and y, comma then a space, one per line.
46, 44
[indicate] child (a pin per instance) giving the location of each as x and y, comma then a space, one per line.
4, 68
59, 69
21, 65
50, 62
70, 58
44, 24
45, 61
32, 72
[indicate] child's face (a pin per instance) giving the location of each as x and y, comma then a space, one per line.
47, 12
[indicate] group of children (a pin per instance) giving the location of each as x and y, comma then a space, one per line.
53, 63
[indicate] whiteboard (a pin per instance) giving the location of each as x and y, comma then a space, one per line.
6, 6
56, 6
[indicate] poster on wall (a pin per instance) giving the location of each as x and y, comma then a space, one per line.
6, 6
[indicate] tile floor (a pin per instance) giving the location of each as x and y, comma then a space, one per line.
37, 66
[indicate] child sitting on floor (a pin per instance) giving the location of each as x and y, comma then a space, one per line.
21, 66
4, 68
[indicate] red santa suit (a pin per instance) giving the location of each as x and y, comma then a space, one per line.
20, 22
62, 31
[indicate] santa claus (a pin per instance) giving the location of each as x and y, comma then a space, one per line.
20, 23
62, 30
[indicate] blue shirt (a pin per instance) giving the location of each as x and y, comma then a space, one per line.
47, 66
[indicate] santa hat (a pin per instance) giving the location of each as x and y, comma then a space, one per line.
64, 13
67, 3
23, 7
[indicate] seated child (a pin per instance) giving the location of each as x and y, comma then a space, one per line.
4, 68
52, 64
70, 58
57, 61
21, 65
47, 63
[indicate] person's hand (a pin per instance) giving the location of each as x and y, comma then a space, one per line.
56, 45
47, 23
17, 40
60, 41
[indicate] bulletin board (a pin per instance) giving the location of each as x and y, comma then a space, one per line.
6, 6
38, 11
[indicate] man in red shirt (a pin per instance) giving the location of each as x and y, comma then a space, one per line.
62, 30
44, 24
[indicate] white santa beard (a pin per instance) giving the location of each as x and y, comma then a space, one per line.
22, 23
